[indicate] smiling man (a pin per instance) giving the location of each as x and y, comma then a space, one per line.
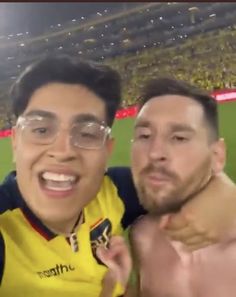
61, 143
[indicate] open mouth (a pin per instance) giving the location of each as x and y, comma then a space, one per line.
57, 181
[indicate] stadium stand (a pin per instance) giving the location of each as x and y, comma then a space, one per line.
191, 41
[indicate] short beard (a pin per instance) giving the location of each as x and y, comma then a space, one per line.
153, 208
170, 205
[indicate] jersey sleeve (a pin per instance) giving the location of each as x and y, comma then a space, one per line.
122, 179
10, 197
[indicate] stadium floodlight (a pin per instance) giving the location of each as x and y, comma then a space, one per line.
193, 8
91, 40
212, 15
192, 11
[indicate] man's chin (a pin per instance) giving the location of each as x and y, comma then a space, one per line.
159, 207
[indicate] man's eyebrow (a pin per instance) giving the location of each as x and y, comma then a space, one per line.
181, 128
142, 124
42, 113
87, 117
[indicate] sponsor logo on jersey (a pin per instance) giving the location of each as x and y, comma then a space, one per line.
55, 271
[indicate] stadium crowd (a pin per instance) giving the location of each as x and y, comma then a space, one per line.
207, 60
178, 40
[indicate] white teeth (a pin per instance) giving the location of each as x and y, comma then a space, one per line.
58, 177
54, 188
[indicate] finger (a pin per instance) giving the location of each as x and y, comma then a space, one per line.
117, 256
195, 247
184, 233
195, 240
163, 222
108, 284
102, 254
116, 239
177, 221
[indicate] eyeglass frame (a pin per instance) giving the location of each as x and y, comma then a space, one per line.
22, 123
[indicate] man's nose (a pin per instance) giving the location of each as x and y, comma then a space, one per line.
62, 148
158, 150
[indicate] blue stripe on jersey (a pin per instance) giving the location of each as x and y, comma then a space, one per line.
10, 197
122, 178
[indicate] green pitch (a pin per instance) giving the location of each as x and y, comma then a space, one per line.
122, 131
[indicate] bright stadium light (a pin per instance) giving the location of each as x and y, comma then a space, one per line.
192, 11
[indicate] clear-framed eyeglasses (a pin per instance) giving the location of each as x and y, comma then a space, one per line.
42, 130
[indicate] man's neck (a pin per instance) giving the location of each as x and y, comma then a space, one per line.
65, 227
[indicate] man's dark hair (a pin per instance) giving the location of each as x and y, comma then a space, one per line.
100, 79
168, 86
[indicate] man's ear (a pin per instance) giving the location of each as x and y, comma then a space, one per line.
13, 142
218, 156
110, 145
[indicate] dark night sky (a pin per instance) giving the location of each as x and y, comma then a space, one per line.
33, 17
